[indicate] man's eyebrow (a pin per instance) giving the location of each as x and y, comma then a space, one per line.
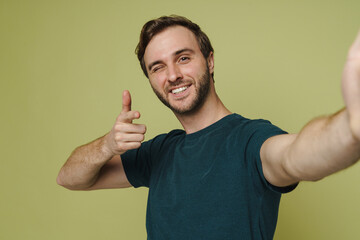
183, 50
174, 54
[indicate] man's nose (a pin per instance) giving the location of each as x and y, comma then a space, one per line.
174, 73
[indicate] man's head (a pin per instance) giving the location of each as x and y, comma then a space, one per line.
178, 60
155, 26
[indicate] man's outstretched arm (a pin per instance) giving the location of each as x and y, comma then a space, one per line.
326, 144
97, 165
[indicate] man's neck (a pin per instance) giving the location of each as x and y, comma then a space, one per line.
210, 112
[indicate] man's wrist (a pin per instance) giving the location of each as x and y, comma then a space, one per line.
105, 148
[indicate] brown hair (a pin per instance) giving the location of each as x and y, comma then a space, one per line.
155, 26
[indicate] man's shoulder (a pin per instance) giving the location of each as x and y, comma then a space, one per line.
172, 133
165, 137
237, 120
242, 127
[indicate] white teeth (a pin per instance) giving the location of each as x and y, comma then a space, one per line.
178, 90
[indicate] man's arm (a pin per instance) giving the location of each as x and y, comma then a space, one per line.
326, 144
97, 165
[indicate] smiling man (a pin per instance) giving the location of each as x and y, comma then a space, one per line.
223, 175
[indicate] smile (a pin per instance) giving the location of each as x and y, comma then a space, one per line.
179, 90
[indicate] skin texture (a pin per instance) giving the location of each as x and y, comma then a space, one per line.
173, 59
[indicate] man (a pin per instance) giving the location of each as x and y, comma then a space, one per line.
222, 177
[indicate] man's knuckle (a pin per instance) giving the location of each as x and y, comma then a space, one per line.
121, 146
120, 126
120, 117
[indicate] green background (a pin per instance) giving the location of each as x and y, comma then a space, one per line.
64, 64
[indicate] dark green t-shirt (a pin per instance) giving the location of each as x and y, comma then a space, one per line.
208, 184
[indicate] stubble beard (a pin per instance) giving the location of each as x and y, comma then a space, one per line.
202, 90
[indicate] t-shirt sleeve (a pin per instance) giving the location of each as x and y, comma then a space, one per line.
261, 131
137, 163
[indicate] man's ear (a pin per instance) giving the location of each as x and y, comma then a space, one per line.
210, 62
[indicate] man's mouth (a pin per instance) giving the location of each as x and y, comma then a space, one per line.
179, 90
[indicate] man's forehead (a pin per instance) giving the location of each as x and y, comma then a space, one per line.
169, 41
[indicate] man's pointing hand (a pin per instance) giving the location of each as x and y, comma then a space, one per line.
125, 134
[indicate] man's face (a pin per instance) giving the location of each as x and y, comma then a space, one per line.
178, 72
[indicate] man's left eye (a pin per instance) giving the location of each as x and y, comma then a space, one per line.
184, 59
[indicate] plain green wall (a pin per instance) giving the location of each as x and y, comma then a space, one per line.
64, 64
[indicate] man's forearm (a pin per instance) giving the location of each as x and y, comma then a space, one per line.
329, 144
324, 146
82, 167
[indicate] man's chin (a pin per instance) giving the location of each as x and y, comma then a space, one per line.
185, 110
182, 106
